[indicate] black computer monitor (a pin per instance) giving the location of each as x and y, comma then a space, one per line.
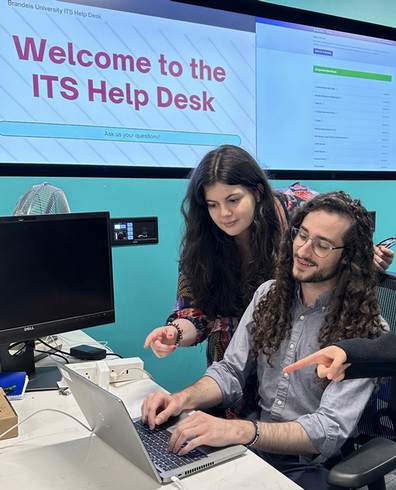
56, 276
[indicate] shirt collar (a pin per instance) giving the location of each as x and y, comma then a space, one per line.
323, 301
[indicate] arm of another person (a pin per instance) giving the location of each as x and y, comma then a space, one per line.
331, 363
370, 357
353, 358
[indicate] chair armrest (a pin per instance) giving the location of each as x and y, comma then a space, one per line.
369, 462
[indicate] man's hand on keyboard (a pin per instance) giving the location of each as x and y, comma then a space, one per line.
158, 407
201, 428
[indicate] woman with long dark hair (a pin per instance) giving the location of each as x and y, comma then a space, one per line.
233, 225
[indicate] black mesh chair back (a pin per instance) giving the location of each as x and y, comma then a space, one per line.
379, 417
386, 294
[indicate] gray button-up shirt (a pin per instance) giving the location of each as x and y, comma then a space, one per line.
329, 417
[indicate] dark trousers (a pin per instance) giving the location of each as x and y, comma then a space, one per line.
309, 477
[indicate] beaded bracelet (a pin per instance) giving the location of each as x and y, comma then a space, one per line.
257, 434
179, 336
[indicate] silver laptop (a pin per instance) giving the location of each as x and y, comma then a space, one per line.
110, 420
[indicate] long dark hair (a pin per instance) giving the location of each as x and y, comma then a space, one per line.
218, 274
355, 309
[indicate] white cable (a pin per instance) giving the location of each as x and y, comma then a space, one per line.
44, 410
114, 376
177, 482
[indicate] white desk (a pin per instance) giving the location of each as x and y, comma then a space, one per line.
54, 451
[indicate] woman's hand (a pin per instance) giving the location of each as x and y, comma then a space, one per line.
162, 340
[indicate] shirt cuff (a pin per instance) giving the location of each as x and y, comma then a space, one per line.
323, 434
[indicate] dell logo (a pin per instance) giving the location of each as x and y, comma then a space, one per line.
27, 329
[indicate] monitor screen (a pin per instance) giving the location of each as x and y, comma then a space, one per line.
147, 88
56, 273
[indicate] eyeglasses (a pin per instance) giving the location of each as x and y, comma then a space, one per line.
321, 248
387, 243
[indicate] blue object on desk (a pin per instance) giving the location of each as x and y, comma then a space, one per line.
14, 384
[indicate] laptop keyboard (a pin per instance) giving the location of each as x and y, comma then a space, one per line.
156, 442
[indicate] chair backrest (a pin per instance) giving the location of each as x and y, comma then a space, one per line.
386, 294
379, 416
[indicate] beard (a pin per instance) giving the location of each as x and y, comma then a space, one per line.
322, 275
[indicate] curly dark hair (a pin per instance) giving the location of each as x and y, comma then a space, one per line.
355, 309
219, 273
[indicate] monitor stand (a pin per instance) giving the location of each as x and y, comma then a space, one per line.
40, 378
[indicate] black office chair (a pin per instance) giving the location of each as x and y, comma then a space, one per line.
375, 455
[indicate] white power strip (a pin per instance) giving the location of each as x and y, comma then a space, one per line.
105, 372
128, 369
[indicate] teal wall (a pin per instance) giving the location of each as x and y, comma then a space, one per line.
145, 276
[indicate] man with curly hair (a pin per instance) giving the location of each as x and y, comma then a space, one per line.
324, 291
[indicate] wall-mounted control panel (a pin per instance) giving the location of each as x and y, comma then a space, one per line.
134, 231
